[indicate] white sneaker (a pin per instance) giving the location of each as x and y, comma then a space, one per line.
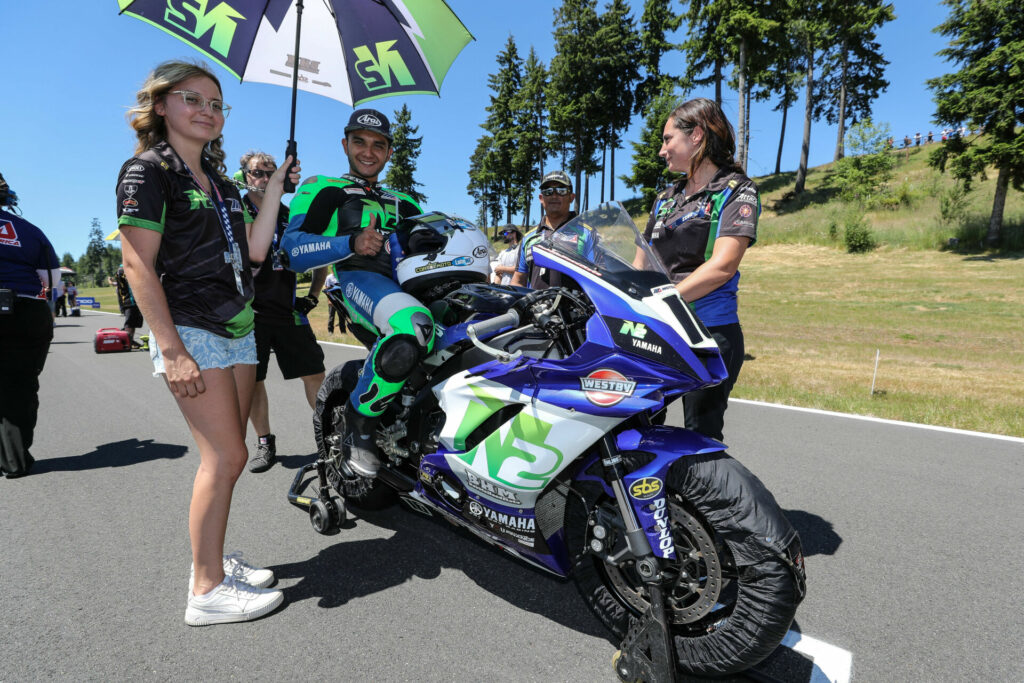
232, 600
234, 565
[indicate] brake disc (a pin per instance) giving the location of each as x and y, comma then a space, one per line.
698, 584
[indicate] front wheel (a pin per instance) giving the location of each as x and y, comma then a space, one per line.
329, 427
733, 595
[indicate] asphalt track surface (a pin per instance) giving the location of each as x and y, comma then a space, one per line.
913, 540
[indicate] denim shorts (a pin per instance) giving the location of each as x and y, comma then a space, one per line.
209, 350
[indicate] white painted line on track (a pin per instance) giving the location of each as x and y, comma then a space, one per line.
813, 411
831, 664
880, 420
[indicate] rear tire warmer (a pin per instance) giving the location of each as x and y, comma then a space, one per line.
328, 419
725, 497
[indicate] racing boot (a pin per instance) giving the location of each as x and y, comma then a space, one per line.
359, 446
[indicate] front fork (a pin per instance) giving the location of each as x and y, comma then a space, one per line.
647, 652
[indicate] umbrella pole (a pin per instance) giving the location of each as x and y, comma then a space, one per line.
292, 148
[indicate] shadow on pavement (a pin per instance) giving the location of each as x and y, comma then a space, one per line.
116, 454
422, 548
817, 537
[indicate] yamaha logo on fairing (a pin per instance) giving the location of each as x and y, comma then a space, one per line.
606, 387
476, 509
368, 120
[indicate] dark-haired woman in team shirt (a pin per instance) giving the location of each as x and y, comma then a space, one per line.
700, 228
186, 239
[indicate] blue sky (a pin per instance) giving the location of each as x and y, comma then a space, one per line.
71, 69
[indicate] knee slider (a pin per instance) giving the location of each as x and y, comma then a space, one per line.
396, 357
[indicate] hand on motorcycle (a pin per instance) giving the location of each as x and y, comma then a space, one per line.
369, 241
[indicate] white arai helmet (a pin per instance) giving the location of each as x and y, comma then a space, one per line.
438, 253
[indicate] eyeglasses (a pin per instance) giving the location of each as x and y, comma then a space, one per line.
194, 100
560, 191
258, 173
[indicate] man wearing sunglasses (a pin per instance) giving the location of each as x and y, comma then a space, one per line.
556, 197
280, 318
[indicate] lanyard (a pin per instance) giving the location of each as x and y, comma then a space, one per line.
233, 255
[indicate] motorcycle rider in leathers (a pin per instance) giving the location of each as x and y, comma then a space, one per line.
345, 222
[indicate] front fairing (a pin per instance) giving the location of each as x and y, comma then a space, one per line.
639, 313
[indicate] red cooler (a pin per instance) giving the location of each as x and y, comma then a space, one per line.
111, 339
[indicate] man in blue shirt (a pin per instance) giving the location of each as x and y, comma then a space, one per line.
28, 267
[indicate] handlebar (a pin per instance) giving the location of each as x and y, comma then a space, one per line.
510, 319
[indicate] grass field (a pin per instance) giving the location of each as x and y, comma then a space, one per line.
948, 329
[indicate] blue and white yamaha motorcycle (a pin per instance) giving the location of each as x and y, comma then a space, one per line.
530, 425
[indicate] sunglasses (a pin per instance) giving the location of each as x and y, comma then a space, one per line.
194, 100
560, 191
258, 173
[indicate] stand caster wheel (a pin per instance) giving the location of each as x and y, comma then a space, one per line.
337, 505
320, 517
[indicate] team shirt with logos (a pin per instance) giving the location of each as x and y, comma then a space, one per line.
682, 231
155, 191
274, 303
23, 250
538, 278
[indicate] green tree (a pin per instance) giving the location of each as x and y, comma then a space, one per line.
503, 126
987, 91
531, 112
657, 21
67, 260
649, 171
862, 176
482, 185
706, 46
617, 72
853, 67
811, 32
574, 105
92, 264
406, 146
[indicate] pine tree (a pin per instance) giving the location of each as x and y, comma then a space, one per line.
617, 75
92, 264
406, 146
812, 31
575, 108
649, 171
656, 22
503, 126
986, 44
853, 66
531, 112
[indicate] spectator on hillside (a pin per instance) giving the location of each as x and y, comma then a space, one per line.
929, 138
701, 249
28, 264
906, 141
917, 139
